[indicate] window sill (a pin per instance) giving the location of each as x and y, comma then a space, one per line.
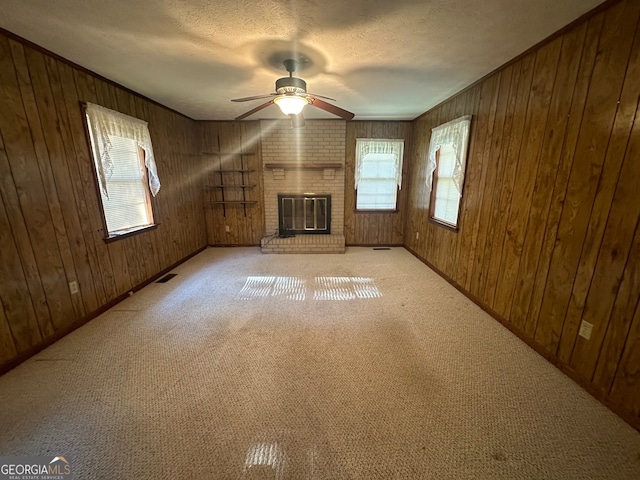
116, 237
448, 226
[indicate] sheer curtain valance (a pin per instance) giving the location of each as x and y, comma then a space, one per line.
456, 134
366, 146
105, 123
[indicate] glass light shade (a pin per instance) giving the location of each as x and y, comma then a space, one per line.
290, 104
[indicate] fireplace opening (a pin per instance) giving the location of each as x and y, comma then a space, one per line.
304, 214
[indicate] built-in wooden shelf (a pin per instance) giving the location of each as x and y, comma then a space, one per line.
231, 180
303, 166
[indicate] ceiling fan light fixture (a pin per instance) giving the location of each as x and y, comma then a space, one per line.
290, 104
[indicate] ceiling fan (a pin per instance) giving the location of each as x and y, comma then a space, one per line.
291, 96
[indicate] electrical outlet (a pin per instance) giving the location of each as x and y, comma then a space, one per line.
585, 329
417, 235
227, 228
73, 287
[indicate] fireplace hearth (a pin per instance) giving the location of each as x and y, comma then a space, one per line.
303, 214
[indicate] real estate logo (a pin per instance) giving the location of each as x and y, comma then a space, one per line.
35, 468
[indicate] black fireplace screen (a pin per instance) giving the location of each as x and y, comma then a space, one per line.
304, 214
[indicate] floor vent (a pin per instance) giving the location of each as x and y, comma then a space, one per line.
166, 278
381, 248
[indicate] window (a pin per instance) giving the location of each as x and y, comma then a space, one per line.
378, 173
445, 172
124, 166
445, 198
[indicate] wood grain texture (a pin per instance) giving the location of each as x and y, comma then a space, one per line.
563, 168
15, 299
626, 387
617, 332
573, 256
601, 203
483, 257
51, 232
529, 162
548, 231
557, 120
7, 346
226, 146
482, 110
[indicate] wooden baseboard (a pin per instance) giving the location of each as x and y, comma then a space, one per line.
87, 318
233, 245
373, 245
601, 396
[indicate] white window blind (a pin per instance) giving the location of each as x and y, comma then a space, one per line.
127, 206
447, 196
378, 173
121, 149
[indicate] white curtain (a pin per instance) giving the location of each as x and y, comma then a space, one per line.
104, 123
456, 134
365, 146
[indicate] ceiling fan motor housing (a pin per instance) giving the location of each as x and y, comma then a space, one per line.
290, 85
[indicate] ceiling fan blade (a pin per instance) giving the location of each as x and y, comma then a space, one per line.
327, 107
321, 96
297, 121
248, 99
254, 110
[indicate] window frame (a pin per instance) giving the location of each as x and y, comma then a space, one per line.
456, 133
432, 201
387, 211
150, 200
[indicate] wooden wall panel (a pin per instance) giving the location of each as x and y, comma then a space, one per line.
51, 232
548, 232
601, 144
558, 115
232, 146
374, 228
19, 313
544, 73
564, 166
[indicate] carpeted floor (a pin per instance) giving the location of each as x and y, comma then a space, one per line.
365, 365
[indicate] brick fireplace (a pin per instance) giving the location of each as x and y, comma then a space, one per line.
305, 161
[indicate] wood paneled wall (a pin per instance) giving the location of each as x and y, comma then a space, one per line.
239, 148
374, 228
51, 231
549, 228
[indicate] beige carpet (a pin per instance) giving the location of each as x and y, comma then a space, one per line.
365, 365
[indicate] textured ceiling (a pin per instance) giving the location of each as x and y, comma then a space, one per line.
380, 59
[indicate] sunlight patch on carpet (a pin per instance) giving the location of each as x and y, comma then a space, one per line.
345, 288
322, 288
291, 288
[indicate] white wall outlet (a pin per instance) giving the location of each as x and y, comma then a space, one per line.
227, 228
417, 235
585, 329
73, 287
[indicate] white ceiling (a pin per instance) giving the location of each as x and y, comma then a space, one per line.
381, 59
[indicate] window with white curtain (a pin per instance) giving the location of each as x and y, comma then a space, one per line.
446, 168
446, 198
125, 169
378, 173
